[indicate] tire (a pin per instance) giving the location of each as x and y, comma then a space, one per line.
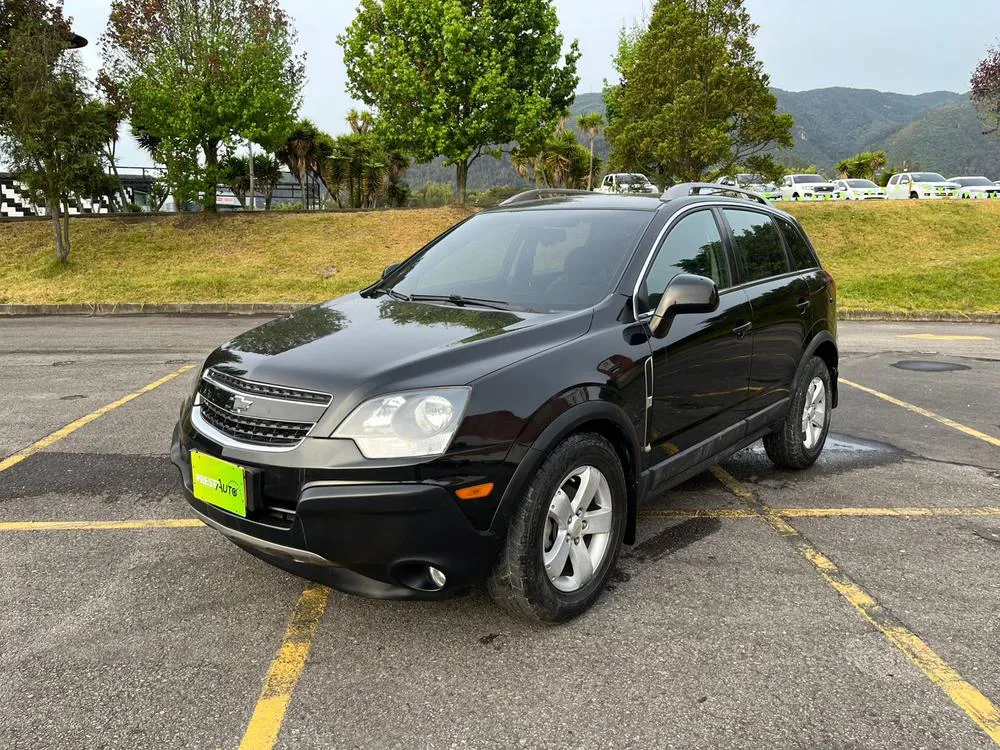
914, 196
795, 196
792, 446
520, 582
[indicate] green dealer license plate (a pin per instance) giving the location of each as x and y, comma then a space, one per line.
219, 483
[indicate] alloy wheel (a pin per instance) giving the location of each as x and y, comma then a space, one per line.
814, 414
577, 531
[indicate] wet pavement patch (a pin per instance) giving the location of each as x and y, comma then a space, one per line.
926, 365
841, 453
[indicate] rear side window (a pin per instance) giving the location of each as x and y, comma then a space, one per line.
801, 254
758, 243
694, 245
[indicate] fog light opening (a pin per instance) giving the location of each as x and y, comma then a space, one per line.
438, 578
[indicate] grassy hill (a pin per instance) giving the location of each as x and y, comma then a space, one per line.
895, 256
949, 140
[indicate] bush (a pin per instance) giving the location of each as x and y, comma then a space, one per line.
495, 195
432, 195
296, 206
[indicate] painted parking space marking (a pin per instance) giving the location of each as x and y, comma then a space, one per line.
994, 441
738, 513
940, 337
166, 523
964, 694
72, 427
269, 713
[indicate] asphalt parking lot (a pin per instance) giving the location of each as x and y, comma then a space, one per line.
854, 605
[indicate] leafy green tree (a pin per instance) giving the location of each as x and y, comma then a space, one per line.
693, 100
199, 74
456, 78
53, 131
591, 124
298, 151
862, 166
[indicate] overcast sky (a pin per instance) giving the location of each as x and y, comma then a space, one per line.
906, 46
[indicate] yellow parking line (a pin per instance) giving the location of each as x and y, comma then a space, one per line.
966, 696
269, 713
925, 413
938, 337
72, 427
858, 512
165, 523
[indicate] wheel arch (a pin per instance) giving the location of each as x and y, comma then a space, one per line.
540, 437
824, 346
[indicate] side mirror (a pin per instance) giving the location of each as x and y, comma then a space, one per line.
390, 270
685, 294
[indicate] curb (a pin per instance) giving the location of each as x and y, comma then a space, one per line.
282, 308
919, 317
129, 308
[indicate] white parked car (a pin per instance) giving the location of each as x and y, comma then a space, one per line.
859, 190
626, 183
975, 187
755, 183
808, 187
923, 185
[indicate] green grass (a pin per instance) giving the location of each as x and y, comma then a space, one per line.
893, 256
909, 256
271, 257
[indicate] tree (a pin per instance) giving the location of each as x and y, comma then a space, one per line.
863, 166
693, 99
591, 125
456, 78
559, 162
985, 90
199, 74
53, 131
298, 152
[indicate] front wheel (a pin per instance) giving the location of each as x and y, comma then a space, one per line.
797, 443
564, 539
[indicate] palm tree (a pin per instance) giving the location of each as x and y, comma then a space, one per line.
876, 161
298, 153
591, 125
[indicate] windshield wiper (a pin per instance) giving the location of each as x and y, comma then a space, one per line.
458, 299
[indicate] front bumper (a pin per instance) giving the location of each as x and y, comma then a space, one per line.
369, 538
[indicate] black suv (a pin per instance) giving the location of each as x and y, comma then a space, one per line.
496, 407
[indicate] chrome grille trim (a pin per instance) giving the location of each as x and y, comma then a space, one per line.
266, 390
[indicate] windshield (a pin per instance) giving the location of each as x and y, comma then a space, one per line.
632, 179
808, 179
860, 183
540, 259
973, 182
927, 177
749, 179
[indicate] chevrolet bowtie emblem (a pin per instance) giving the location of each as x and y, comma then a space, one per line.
241, 405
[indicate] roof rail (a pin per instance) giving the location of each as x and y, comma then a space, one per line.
686, 189
542, 193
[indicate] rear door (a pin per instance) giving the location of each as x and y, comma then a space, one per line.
702, 366
781, 308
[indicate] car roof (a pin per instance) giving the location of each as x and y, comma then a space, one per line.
602, 201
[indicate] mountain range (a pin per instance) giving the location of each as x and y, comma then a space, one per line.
937, 131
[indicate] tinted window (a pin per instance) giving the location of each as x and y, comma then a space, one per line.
809, 179
540, 259
927, 177
861, 183
694, 245
801, 254
758, 243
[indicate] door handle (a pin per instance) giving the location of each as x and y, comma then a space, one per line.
803, 305
742, 329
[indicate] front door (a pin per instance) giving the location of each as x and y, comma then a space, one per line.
781, 301
700, 369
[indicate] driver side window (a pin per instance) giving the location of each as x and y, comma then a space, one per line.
694, 245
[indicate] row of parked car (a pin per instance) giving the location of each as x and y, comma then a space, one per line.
814, 187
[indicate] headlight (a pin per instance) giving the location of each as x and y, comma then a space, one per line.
406, 425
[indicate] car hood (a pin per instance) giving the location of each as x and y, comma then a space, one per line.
364, 347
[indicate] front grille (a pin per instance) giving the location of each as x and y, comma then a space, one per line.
823, 188
253, 431
279, 392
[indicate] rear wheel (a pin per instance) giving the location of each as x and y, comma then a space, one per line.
564, 539
797, 443
914, 196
